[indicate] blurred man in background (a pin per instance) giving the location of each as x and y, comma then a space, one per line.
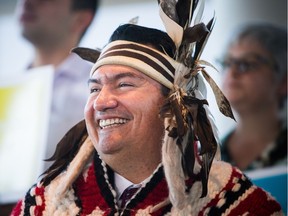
53, 28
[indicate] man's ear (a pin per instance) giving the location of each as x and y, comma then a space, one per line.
83, 18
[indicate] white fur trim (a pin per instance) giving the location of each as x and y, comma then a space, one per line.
59, 196
76, 166
219, 176
173, 171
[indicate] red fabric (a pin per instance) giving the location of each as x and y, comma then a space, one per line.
159, 194
38, 211
17, 209
256, 204
90, 193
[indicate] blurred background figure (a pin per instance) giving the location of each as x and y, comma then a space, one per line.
255, 83
54, 27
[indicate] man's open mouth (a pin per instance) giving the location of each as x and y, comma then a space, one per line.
111, 122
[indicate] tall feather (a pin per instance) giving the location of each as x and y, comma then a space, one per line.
201, 44
184, 12
189, 122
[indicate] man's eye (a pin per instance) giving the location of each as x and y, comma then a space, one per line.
92, 90
125, 84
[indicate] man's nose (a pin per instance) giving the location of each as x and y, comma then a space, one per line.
105, 100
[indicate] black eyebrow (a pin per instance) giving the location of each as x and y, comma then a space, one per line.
126, 74
115, 77
91, 80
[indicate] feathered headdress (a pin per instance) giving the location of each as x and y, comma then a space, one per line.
187, 117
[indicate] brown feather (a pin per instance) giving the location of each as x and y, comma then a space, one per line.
201, 44
168, 7
87, 54
195, 33
203, 131
188, 157
177, 110
183, 8
208, 147
222, 102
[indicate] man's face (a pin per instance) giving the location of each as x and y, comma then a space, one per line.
45, 22
122, 111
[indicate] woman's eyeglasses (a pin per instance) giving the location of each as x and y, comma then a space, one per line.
246, 65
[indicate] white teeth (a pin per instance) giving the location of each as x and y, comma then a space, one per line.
111, 122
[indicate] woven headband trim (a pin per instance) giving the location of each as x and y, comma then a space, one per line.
151, 62
144, 51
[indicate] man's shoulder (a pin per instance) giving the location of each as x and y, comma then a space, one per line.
224, 175
230, 188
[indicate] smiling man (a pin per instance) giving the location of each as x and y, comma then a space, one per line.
119, 108
136, 152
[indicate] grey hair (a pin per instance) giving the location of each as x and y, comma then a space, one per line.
271, 37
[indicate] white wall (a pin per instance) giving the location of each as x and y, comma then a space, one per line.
15, 53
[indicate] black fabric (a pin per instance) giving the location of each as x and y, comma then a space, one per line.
101, 181
29, 201
231, 197
277, 154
